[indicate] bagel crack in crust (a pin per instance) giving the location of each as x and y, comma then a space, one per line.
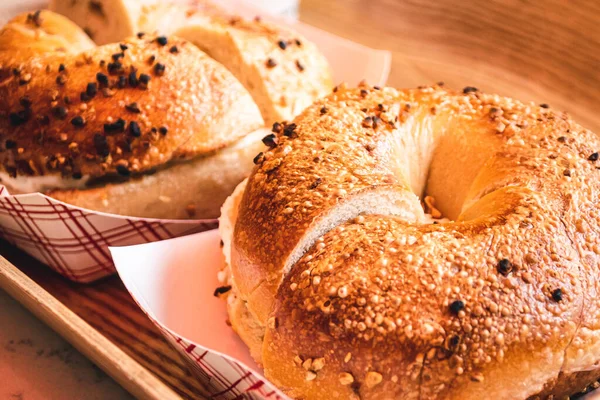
341, 289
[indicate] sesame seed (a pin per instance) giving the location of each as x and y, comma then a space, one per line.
123, 46
61, 67
282, 44
117, 56
456, 306
162, 40
310, 375
469, 89
61, 80
345, 378
318, 364
324, 110
174, 50
373, 379
593, 157
544, 105
298, 42
141, 35
299, 65
163, 130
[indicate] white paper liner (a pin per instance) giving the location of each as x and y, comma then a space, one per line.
173, 282
73, 241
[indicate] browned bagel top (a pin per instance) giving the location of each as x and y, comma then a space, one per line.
393, 306
38, 32
126, 107
347, 143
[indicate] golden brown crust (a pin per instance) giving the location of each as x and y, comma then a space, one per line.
36, 33
282, 70
501, 303
120, 109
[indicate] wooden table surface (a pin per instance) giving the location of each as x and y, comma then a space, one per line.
548, 52
544, 52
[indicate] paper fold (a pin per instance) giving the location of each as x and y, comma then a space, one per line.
173, 282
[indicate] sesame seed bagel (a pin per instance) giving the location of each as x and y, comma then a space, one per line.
119, 113
343, 289
283, 71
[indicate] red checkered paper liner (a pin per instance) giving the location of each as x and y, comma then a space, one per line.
74, 241
173, 282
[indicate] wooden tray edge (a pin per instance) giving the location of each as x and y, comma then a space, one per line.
122, 368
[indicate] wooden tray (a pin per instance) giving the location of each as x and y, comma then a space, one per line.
549, 53
103, 322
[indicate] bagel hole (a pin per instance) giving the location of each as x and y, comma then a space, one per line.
441, 159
